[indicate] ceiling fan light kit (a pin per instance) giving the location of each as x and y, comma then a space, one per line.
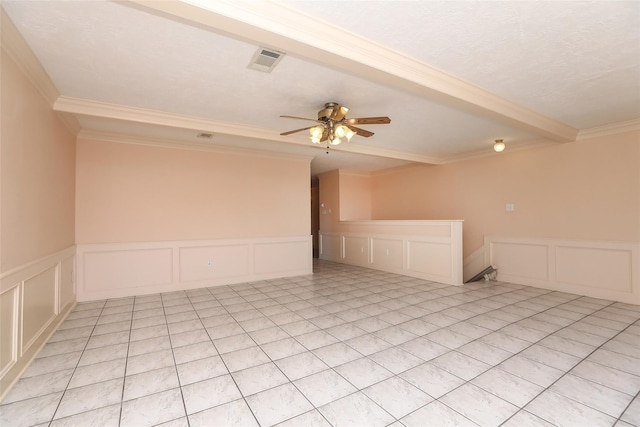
334, 127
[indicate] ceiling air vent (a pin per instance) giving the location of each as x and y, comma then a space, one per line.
205, 135
265, 59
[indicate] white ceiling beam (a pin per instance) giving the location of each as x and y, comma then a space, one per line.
277, 26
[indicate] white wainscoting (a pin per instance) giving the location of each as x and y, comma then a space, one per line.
127, 269
34, 299
437, 258
608, 270
474, 264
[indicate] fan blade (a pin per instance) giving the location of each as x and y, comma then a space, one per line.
325, 135
360, 132
369, 121
338, 112
294, 131
301, 118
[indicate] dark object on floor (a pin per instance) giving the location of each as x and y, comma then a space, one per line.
487, 271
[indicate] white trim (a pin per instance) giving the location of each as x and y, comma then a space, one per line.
68, 105
273, 24
17, 48
186, 145
14, 281
407, 222
9, 278
85, 107
446, 248
115, 270
599, 269
19, 51
489, 151
473, 264
612, 129
360, 174
13, 341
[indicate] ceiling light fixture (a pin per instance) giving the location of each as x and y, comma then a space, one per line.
335, 132
333, 126
499, 146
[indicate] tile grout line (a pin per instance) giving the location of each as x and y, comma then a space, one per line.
619, 418
382, 290
175, 364
126, 361
479, 314
532, 344
77, 363
567, 372
531, 297
285, 375
478, 339
221, 359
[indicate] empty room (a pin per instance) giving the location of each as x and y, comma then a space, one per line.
329, 213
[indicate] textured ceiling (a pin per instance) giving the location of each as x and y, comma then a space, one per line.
577, 63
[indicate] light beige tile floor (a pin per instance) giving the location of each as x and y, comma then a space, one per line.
345, 346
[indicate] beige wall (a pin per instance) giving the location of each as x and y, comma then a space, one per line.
136, 193
37, 173
330, 201
586, 190
355, 196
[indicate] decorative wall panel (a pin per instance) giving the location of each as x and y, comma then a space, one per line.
433, 251
34, 299
522, 259
356, 249
608, 270
213, 262
387, 253
39, 304
429, 258
128, 269
9, 311
283, 257
330, 246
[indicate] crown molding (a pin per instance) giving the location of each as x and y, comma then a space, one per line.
612, 129
275, 25
18, 49
383, 152
397, 169
71, 122
186, 145
486, 152
85, 107
348, 172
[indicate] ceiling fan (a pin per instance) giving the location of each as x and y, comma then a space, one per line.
333, 125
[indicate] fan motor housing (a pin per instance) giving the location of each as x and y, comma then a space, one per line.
325, 114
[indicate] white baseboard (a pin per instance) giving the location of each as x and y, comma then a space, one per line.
607, 270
